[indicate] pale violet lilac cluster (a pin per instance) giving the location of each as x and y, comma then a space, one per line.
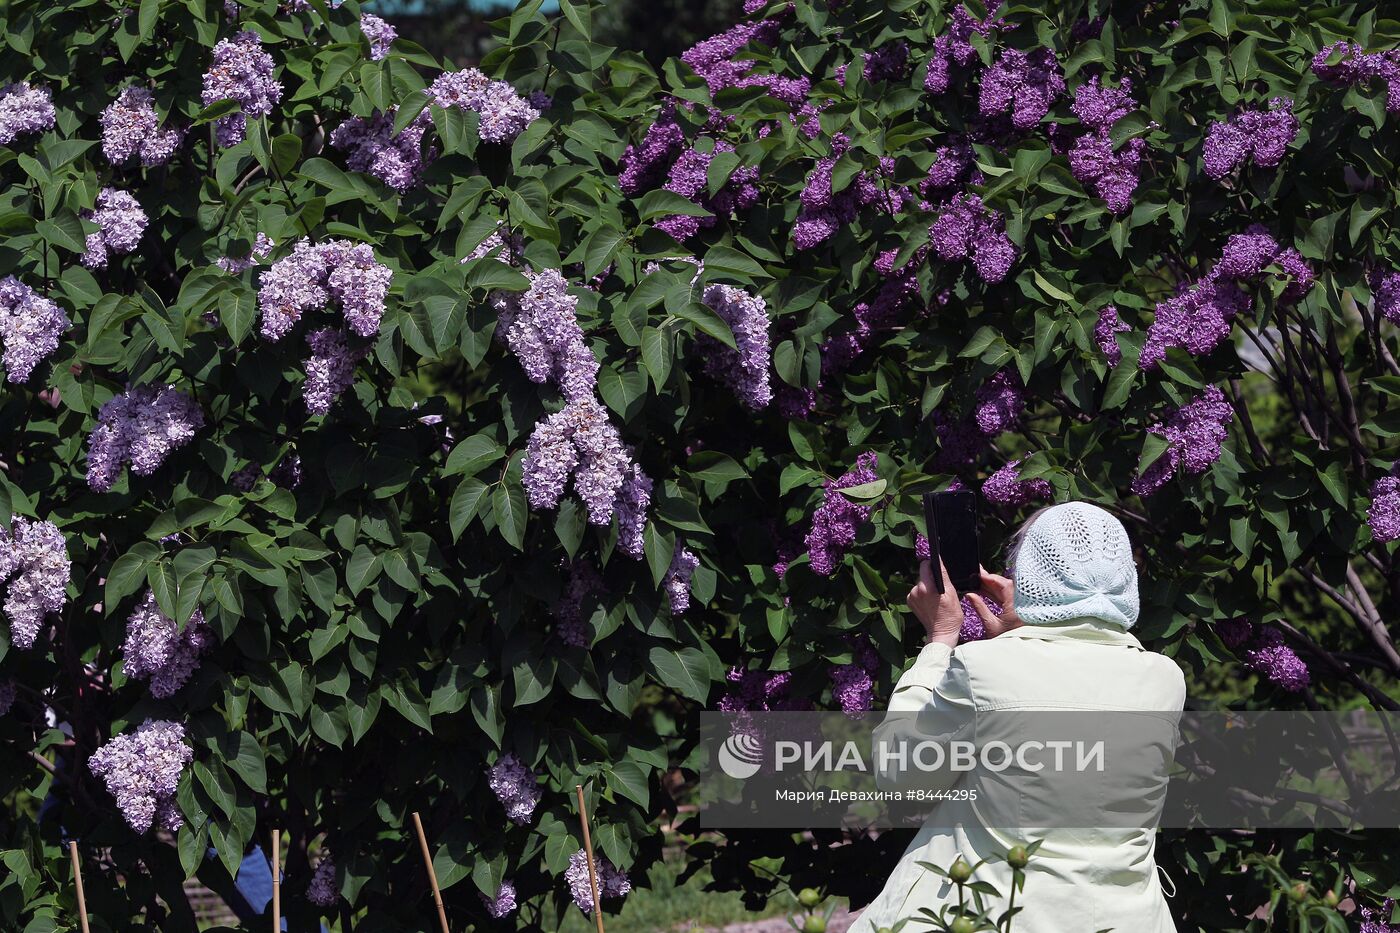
397, 159
380, 33
540, 326
1385, 290
140, 427
717, 60
1109, 172
1355, 67
261, 249
34, 562
30, 326
242, 72
159, 651
131, 127
837, 519
1265, 651
120, 221
24, 110
516, 787
968, 230
1194, 434
1022, 86
611, 882
677, 580
1262, 136
142, 771
744, 368
1106, 329
1005, 487
313, 276
330, 369
504, 113
321, 890
1201, 314
853, 684
503, 904
1384, 513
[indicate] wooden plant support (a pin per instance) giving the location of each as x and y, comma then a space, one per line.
277, 881
588, 850
78, 882
432, 875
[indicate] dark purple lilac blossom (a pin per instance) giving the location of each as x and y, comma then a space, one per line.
896, 294
1261, 135
890, 62
1105, 331
646, 165
24, 110
34, 561
836, 520
1109, 174
330, 369
999, 403
541, 328
1378, 920
397, 159
142, 770
959, 440
954, 49
30, 326
1263, 649
1384, 513
159, 651
1099, 107
1005, 487
1194, 434
1385, 289
611, 882
745, 368
381, 35
714, 58
504, 113
569, 623
140, 427
516, 787
1024, 86
852, 685
131, 127
677, 580
241, 72
120, 222
7, 696
689, 176
954, 171
1356, 67
973, 628
757, 691
967, 230
321, 890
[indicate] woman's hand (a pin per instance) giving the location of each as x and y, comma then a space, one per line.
941, 615
1003, 591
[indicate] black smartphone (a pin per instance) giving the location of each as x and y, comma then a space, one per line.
950, 518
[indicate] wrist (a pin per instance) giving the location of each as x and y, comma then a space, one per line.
942, 638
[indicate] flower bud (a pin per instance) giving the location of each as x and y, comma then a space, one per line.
1298, 893
961, 872
809, 897
1018, 857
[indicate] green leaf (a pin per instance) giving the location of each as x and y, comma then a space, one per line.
663, 203
510, 511
656, 354
684, 670
286, 151
466, 502
364, 566
146, 18
602, 245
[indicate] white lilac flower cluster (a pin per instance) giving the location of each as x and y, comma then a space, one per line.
30, 326
34, 560
611, 882
141, 427
24, 110
504, 113
159, 651
516, 787
241, 72
131, 127
120, 223
142, 770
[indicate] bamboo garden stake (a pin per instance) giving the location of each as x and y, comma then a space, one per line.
588, 850
432, 875
277, 881
78, 881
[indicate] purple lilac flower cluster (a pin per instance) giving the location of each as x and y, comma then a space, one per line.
837, 518
381, 35
1265, 651
1385, 290
890, 62
120, 222
973, 628
30, 326
1005, 487
34, 560
1355, 66
824, 210
516, 787
968, 230
241, 72
999, 403
569, 623
898, 291
954, 49
1378, 920
261, 249
959, 440
131, 127
689, 176
1261, 135
321, 891
1105, 330
611, 882
159, 651
504, 113
677, 580
24, 110
1194, 433
141, 427
852, 686
1022, 85
954, 170
330, 369
397, 159
1199, 317
7, 696
142, 770
647, 165
503, 904
756, 691
714, 58
313, 276
744, 368
1384, 512
1111, 175
541, 328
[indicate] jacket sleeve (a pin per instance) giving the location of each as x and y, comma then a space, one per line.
932, 703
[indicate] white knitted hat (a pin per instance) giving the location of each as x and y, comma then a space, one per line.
1075, 561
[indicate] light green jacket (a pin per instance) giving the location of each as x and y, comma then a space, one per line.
1081, 880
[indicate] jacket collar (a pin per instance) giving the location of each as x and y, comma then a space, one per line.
1084, 628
